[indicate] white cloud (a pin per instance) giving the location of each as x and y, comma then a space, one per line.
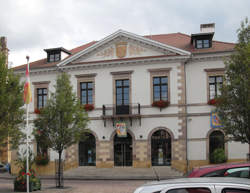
31, 26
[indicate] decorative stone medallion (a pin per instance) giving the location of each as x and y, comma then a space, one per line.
121, 49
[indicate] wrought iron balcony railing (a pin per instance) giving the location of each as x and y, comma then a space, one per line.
114, 111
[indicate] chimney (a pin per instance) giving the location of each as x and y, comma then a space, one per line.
207, 28
3, 48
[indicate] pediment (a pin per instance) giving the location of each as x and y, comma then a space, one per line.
122, 45
121, 49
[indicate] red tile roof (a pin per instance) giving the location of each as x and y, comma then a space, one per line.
178, 40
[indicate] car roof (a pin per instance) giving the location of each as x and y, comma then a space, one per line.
199, 171
203, 180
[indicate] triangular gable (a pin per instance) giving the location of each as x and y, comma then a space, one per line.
114, 46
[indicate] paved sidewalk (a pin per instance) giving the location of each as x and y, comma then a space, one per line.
116, 173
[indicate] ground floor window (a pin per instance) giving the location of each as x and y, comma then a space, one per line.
123, 150
87, 151
161, 148
216, 141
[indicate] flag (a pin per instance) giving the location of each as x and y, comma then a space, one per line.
27, 93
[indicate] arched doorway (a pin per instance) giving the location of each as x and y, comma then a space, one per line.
123, 150
216, 141
161, 148
87, 151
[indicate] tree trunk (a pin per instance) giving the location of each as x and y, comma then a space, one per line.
59, 170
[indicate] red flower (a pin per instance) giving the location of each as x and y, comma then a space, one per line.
160, 104
213, 102
37, 111
23, 173
88, 107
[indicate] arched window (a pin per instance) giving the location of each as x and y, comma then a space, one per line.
87, 151
123, 150
161, 148
216, 141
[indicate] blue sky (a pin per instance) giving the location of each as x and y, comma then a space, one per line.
33, 25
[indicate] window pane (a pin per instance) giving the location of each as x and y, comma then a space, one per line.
199, 43
156, 80
157, 94
44, 91
126, 90
126, 96
57, 57
90, 84
51, 58
39, 91
164, 80
164, 88
45, 100
156, 88
219, 79
164, 95
211, 79
126, 102
83, 85
90, 100
119, 97
83, 93
234, 190
189, 190
126, 82
118, 90
89, 93
118, 83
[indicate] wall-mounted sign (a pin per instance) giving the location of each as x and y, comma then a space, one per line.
121, 129
215, 120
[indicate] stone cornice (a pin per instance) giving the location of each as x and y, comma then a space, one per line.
211, 56
122, 72
86, 75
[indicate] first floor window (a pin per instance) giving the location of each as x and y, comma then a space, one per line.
215, 84
41, 97
160, 88
86, 92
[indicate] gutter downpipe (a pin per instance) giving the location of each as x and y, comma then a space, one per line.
188, 60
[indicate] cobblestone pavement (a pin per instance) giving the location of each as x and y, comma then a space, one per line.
76, 186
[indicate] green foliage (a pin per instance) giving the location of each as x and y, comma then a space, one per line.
11, 114
218, 156
20, 180
42, 159
61, 122
234, 106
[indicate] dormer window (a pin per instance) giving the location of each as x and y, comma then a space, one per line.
203, 39
54, 57
202, 43
56, 54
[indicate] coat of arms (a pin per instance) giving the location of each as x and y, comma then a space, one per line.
121, 49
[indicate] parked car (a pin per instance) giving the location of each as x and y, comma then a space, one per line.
2, 168
197, 185
241, 170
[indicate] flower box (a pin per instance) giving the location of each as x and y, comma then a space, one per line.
37, 111
160, 104
42, 160
213, 101
88, 107
20, 181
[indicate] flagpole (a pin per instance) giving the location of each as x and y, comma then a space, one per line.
27, 138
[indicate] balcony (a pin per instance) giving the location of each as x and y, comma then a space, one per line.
115, 112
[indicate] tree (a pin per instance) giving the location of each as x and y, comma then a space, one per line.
62, 121
11, 101
234, 103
